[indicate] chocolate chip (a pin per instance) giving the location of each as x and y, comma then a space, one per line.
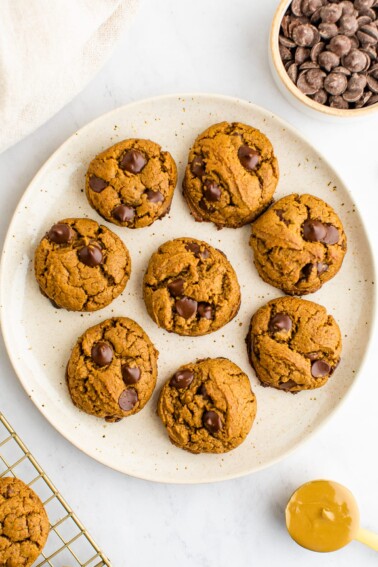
304, 86
301, 55
355, 61
205, 310
338, 102
123, 213
335, 83
97, 184
186, 307
315, 78
312, 355
128, 399
60, 233
341, 45
332, 235
203, 392
331, 13
292, 71
321, 96
249, 158
130, 375
363, 4
328, 60
280, 322
102, 353
195, 248
313, 230
373, 84
133, 161
286, 42
348, 25
306, 271
198, 167
182, 379
316, 50
212, 421
296, 7
321, 268
287, 385
305, 35
176, 287
212, 191
320, 368
91, 255
328, 31
154, 196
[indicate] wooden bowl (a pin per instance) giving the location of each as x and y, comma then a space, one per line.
291, 91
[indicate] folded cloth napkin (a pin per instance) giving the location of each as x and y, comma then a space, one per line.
49, 50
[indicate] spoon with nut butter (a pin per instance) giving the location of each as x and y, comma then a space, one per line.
323, 515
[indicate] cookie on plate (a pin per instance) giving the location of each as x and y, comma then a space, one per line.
81, 265
298, 244
24, 525
208, 406
293, 344
190, 288
131, 184
112, 369
231, 175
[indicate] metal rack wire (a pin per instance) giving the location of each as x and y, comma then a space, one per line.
69, 544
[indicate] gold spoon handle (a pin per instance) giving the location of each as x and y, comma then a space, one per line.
368, 538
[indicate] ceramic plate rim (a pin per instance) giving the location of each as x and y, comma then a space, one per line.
30, 188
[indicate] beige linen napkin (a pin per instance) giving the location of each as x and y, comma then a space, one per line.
49, 50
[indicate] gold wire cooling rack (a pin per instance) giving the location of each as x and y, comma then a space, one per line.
69, 544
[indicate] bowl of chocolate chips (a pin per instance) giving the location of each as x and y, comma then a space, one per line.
324, 55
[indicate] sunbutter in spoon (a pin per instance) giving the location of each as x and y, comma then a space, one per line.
323, 515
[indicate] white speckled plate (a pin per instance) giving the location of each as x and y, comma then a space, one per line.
39, 338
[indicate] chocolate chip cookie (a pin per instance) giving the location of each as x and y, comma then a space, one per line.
298, 244
231, 175
131, 184
190, 288
293, 344
207, 406
112, 369
24, 525
81, 265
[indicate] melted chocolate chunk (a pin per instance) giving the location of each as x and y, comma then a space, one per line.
212, 421
128, 399
130, 375
280, 322
60, 233
182, 379
198, 167
133, 161
314, 231
102, 353
205, 310
320, 368
97, 184
91, 255
248, 157
154, 196
212, 192
123, 213
186, 307
176, 287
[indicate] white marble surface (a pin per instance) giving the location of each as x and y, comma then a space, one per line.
212, 46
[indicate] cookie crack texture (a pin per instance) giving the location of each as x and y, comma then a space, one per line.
129, 189
72, 284
245, 193
24, 524
208, 278
97, 389
283, 358
281, 255
218, 386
